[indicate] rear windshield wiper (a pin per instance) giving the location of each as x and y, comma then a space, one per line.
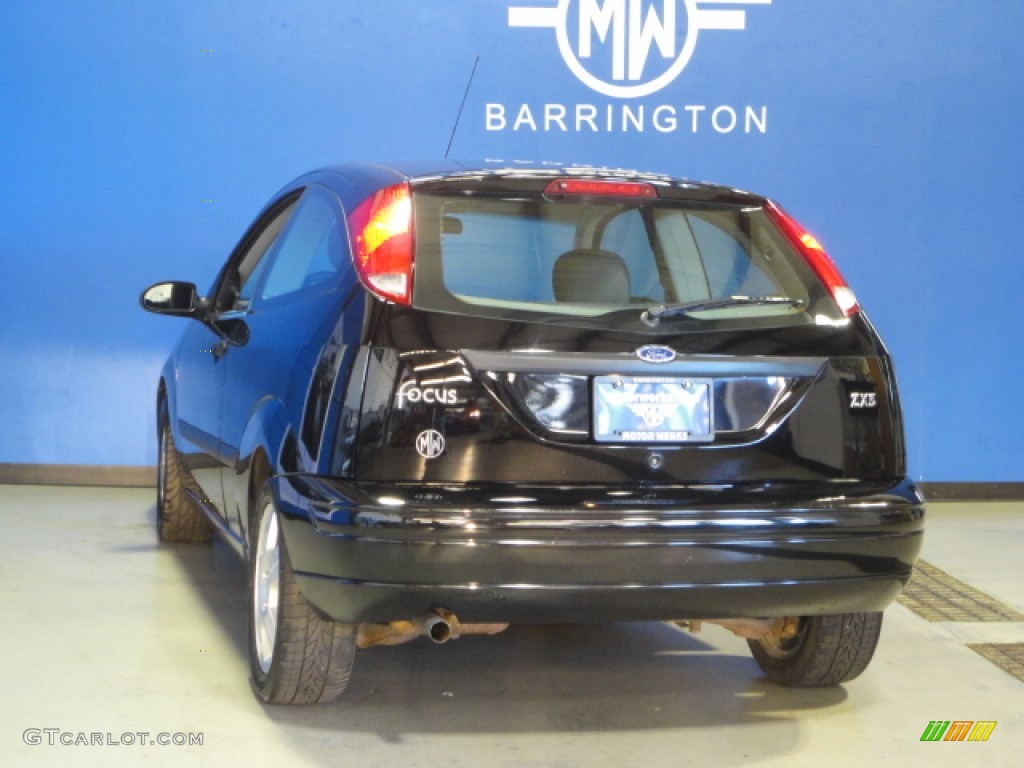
652, 315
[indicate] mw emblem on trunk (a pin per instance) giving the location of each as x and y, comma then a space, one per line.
430, 444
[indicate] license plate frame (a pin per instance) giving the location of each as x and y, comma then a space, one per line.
641, 410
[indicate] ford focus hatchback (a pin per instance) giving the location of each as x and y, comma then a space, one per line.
437, 400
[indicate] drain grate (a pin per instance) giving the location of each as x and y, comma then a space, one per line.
1009, 657
936, 596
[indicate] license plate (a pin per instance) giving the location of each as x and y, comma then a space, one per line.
647, 409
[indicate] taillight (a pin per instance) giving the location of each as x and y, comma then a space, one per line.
382, 234
816, 257
599, 188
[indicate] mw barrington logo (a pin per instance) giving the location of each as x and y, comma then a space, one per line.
628, 49
609, 44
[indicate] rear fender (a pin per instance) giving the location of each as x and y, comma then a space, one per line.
269, 431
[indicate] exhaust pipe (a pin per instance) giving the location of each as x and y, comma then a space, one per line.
438, 624
437, 627
783, 627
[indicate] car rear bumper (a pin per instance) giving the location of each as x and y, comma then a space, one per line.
385, 552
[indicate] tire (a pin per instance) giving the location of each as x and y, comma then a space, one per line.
296, 657
827, 650
177, 517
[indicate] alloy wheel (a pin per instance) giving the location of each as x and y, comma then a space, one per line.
266, 585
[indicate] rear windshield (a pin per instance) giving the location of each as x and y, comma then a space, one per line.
601, 263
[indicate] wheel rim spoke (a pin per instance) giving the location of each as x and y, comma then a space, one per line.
266, 588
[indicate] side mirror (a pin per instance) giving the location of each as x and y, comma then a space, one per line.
175, 299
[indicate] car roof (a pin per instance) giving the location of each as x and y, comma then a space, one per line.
354, 180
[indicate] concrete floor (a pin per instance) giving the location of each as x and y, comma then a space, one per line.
104, 632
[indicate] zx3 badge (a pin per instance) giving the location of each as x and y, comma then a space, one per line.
860, 401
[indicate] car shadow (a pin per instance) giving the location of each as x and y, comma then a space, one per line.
217, 576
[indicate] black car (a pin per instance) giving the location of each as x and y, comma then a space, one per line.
439, 399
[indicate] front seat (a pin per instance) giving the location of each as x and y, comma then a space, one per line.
591, 276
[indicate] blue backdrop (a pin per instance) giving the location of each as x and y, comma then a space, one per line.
139, 138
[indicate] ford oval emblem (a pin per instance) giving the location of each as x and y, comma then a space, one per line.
655, 353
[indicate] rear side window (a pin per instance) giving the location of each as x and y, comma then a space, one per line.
311, 252
602, 262
243, 275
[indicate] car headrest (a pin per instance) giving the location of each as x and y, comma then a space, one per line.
591, 276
